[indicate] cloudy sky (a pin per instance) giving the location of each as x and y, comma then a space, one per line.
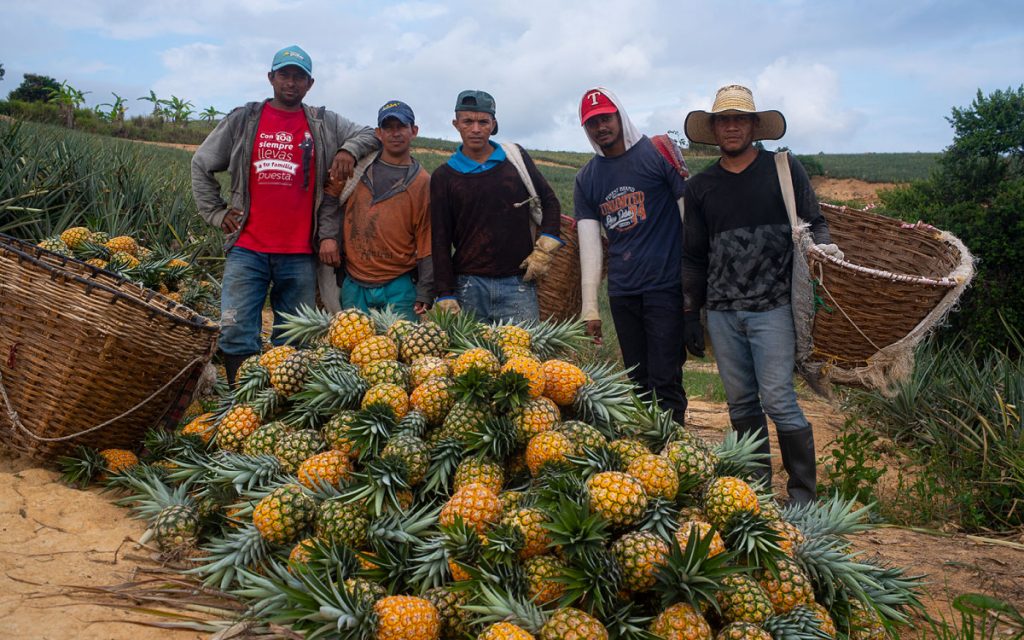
849, 76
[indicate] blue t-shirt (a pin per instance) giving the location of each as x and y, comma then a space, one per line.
635, 197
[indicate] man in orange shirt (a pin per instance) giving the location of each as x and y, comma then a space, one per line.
386, 227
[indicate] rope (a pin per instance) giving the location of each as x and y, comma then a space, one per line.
821, 282
16, 421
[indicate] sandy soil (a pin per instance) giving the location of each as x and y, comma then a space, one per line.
849, 190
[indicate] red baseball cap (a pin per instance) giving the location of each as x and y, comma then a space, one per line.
595, 103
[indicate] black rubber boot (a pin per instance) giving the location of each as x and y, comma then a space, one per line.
798, 458
231, 365
758, 425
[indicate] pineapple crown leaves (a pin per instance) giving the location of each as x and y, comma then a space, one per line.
389, 564
242, 547
302, 416
445, 457
430, 563
151, 495
834, 516
575, 528
407, 527
244, 473
753, 539
593, 580
492, 603
596, 460
496, 438
162, 444
330, 389
661, 518
461, 327
605, 398
80, 469
510, 390
556, 483
473, 386
461, 541
379, 483
549, 339
504, 542
895, 593
692, 575
650, 423
371, 429
250, 382
305, 326
265, 594
798, 624
90, 249
739, 455
318, 607
331, 556
628, 623
384, 318
413, 423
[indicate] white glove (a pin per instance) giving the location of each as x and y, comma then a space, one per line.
831, 250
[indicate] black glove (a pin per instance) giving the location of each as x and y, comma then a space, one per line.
693, 334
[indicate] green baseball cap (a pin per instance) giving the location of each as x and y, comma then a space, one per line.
292, 56
474, 100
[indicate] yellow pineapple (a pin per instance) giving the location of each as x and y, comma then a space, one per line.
75, 237
530, 522
99, 263
283, 513
236, 425
389, 395
426, 367
568, 623
531, 369
511, 336
202, 426
617, 496
477, 470
123, 244
478, 506
743, 631
505, 631
640, 554
301, 552
433, 399
348, 328
787, 587
562, 380
374, 349
120, 260
547, 447
789, 536
681, 622
535, 416
657, 474
727, 495
406, 618
275, 356
743, 600
629, 449
682, 536
542, 578
477, 359
325, 468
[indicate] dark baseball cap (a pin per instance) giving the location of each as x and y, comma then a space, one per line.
474, 100
396, 109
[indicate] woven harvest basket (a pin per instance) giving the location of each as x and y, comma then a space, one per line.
87, 358
893, 286
558, 292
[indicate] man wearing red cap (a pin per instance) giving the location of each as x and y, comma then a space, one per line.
631, 190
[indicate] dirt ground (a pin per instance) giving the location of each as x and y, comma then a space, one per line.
849, 190
53, 538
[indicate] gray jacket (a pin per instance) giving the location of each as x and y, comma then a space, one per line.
229, 147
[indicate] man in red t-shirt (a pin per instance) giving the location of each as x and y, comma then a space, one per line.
279, 220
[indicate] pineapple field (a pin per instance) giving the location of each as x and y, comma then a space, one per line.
381, 479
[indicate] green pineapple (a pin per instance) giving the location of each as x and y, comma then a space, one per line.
343, 522
294, 447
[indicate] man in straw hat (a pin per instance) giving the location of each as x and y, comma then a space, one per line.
631, 190
737, 262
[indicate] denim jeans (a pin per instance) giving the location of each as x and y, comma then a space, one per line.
400, 293
248, 275
755, 351
495, 300
650, 331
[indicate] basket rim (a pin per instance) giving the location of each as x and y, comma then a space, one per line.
10, 244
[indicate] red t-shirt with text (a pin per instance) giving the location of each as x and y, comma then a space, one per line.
281, 185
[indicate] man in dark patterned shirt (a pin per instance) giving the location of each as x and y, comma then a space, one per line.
737, 262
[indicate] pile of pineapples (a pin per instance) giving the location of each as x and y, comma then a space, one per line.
377, 478
165, 272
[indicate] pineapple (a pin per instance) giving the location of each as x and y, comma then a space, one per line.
743, 631
531, 369
55, 245
628, 449
789, 536
389, 395
787, 587
682, 536
274, 357
330, 467
413, 452
464, 418
302, 552
373, 349
202, 426
288, 375
486, 472
176, 529
657, 474
617, 496
75, 237
530, 522
282, 515
343, 522
122, 261
743, 600
478, 506
406, 618
262, 441
427, 367
726, 496
640, 554
535, 416
827, 624
510, 336
386, 371
99, 263
88, 465
505, 631
348, 328
294, 447
477, 359
542, 577
562, 380
123, 244
693, 462
568, 623
433, 399
337, 430
681, 622
865, 623
455, 620
546, 448
424, 339
582, 435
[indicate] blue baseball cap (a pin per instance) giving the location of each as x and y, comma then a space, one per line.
396, 109
294, 56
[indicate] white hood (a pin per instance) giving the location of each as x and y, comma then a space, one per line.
630, 134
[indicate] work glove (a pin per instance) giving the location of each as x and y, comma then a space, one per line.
831, 250
448, 305
693, 334
539, 260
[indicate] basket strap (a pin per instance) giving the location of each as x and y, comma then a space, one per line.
16, 421
786, 184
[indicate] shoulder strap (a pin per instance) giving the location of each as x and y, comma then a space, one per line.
516, 158
786, 183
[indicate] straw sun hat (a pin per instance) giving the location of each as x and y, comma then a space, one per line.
733, 99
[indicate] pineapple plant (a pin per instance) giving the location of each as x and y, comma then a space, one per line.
55, 245
406, 618
263, 440
288, 375
414, 454
703, 529
202, 426
568, 623
337, 432
284, 513
455, 620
